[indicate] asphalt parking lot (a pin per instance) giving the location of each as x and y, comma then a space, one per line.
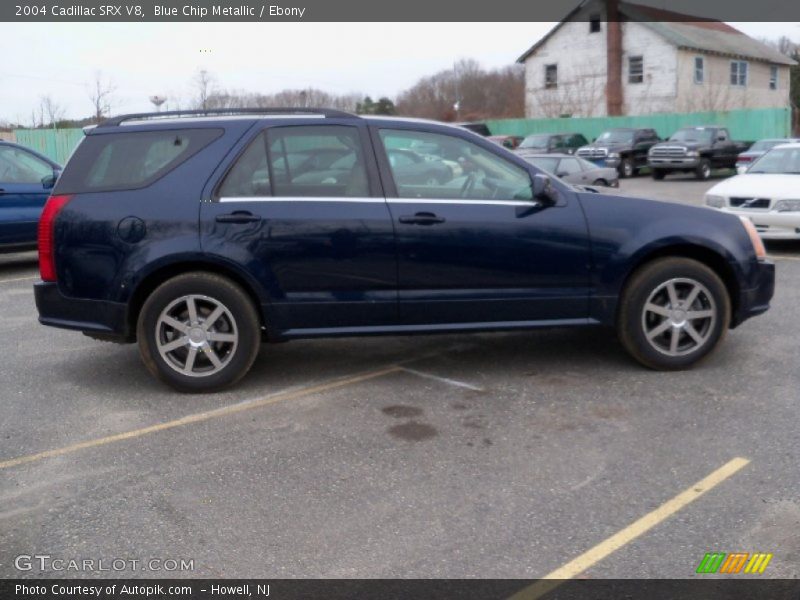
489, 455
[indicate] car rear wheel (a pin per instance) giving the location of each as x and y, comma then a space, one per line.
703, 170
198, 332
673, 313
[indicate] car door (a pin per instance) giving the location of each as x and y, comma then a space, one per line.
25, 184
319, 240
479, 249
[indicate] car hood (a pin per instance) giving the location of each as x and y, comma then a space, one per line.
611, 147
754, 185
687, 145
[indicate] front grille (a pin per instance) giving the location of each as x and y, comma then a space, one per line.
668, 151
750, 202
593, 153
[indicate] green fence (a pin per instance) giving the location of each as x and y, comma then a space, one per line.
56, 144
746, 124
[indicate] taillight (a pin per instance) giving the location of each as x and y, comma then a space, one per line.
47, 263
745, 158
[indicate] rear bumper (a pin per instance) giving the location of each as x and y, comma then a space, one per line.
107, 319
755, 301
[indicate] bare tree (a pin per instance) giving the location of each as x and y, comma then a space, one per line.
480, 94
49, 109
204, 86
101, 94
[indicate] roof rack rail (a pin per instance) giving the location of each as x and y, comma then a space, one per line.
325, 112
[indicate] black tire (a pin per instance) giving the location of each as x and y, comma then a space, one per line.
703, 170
626, 168
657, 174
645, 288
238, 321
600, 182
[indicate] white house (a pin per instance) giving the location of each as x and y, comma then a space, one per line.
647, 60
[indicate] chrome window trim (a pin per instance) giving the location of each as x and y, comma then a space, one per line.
376, 200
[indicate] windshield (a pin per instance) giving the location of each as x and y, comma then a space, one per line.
692, 135
535, 141
616, 137
778, 161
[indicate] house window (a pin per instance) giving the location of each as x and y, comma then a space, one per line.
773, 78
550, 77
699, 69
739, 72
635, 69
594, 24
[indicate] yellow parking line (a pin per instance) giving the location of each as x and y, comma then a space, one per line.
19, 279
198, 417
594, 555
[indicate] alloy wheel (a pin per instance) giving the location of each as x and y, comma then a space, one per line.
678, 317
196, 335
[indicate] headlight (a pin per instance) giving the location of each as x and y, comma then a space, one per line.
787, 206
613, 155
755, 239
715, 201
692, 153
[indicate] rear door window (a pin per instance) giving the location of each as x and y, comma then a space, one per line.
317, 161
130, 160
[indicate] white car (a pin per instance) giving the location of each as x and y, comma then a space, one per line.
768, 194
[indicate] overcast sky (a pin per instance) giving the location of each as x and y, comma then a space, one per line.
144, 59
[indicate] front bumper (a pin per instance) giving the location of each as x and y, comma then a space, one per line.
771, 225
688, 162
94, 317
755, 300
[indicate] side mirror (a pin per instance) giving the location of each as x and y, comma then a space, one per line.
721, 138
49, 181
561, 174
542, 187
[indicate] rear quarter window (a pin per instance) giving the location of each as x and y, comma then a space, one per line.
130, 160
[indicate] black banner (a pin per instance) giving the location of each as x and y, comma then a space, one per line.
369, 10
376, 589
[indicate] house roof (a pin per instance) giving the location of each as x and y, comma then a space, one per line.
687, 31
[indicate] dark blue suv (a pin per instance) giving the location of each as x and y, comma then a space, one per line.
202, 235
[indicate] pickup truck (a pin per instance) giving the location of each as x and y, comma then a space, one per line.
624, 149
695, 149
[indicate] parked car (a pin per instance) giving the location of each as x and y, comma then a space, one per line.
547, 143
757, 150
767, 194
695, 149
26, 178
575, 170
507, 141
179, 233
624, 149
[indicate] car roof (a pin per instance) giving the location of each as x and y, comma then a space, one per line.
31, 150
210, 118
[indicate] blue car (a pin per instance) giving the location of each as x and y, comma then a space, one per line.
198, 235
26, 180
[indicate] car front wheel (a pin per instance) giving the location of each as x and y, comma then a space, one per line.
673, 312
198, 332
